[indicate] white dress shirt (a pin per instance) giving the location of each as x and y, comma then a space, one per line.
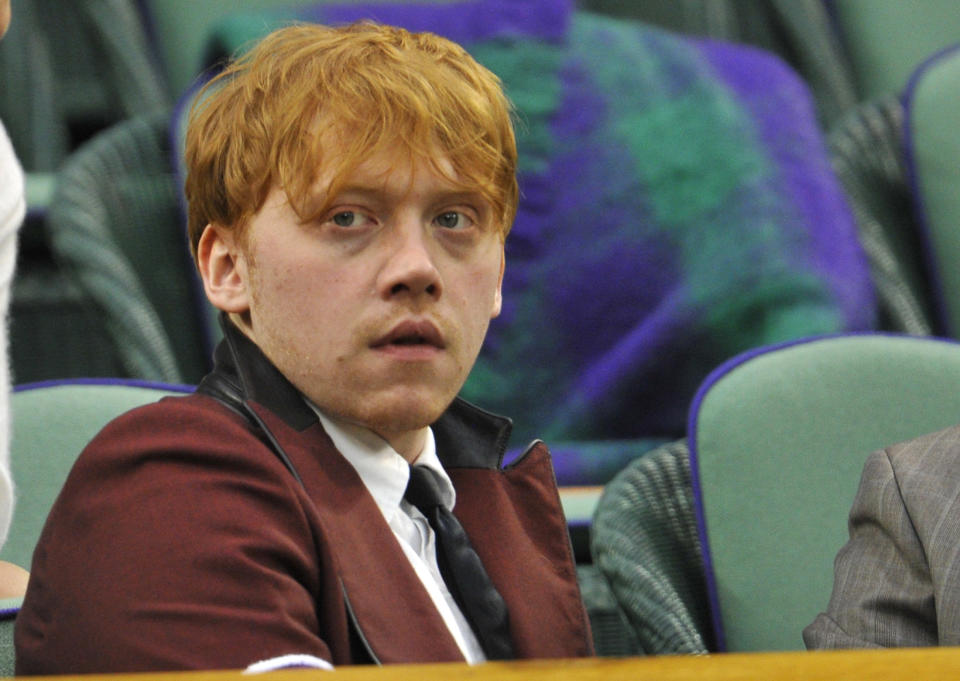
385, 474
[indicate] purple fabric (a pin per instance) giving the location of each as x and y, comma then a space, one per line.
128, 382
805, 179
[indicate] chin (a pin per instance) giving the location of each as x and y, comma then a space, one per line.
408, 414
408, 420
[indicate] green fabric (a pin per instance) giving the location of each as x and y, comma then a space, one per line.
183, 28
70, 69
645, 545
887, 39
113, 218
867, 151
933, 108
799, 31
779, 442
612, 634
39, 189
6, 645
102, 60
56, 330
29, 105
51, 425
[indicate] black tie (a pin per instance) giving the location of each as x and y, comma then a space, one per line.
461, 568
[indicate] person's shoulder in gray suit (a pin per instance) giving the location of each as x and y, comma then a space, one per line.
897, 580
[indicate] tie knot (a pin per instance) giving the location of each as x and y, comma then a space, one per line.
423, 489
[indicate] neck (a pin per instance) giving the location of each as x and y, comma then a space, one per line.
408, 444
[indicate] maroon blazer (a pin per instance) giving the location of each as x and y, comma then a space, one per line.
222, 528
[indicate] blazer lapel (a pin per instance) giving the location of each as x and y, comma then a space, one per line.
381, 588
519, 507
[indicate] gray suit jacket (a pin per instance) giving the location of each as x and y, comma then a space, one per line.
897, 581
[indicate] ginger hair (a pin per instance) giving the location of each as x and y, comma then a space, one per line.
261, 122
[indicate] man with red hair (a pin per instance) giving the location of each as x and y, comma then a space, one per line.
350, 190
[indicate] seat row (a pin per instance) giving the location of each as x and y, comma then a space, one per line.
682, 206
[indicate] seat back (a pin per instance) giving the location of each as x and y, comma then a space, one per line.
645, 546
887, 39
116, 225
897, 159
932, 149
869, 155
777, 440
52, 423
29, 105
104, 61
68, 70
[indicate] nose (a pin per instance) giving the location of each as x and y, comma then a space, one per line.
410, 268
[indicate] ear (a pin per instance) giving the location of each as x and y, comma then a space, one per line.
498, 296
223, 269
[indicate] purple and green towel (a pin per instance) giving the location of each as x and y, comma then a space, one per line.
677, 208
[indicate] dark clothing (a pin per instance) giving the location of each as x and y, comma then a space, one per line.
183, 539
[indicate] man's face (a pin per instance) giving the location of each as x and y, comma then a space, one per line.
376, 310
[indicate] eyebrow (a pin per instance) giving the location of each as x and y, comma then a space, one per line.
434, 194
315, 202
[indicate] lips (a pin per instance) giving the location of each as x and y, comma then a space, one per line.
412, 333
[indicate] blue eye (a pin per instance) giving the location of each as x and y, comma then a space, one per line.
451, 219
344, 219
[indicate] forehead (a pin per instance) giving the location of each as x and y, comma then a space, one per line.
390, 171
341, 157
393, 169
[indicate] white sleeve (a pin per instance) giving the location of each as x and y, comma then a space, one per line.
12, 210
288, 662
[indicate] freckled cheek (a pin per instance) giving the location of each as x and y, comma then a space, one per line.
476, 295
314, 303
301, 284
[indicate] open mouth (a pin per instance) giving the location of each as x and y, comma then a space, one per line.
412, 334
410, 340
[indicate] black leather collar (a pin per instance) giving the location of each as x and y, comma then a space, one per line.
466, 436
241, 373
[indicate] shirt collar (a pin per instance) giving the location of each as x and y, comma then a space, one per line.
383, 471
